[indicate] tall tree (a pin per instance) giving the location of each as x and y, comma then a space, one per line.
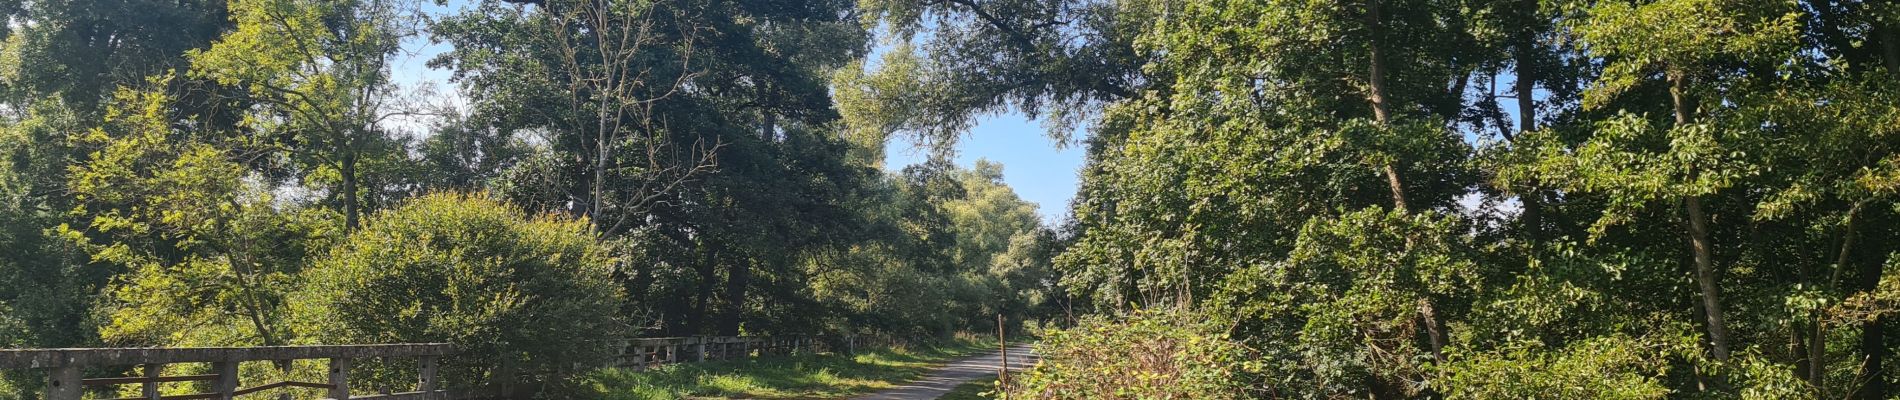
320, 71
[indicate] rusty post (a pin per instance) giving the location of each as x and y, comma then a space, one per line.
1002, 374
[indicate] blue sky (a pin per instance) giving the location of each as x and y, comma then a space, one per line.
1032, 164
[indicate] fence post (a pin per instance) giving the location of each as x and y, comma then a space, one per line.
699, 342
426, 381
63, 384
506, 381
149, 389
284, 366
617, 356
340, 378
227, 379
1002, 374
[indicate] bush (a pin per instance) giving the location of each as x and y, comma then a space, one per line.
1610, 367
472, 271
1146, 355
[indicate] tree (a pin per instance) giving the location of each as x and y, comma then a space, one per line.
206, 253
320, 71
499, 283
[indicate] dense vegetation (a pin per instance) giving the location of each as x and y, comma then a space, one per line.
1471, 199
1367, 198
248, 172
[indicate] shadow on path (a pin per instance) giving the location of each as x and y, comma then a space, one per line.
943, 379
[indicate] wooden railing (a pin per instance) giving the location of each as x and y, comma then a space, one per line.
65, 382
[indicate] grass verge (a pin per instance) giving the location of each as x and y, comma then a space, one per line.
974, 390
809, 376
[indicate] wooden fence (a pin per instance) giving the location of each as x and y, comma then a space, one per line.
64, 367
64, 381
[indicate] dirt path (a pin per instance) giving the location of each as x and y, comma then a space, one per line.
947, 377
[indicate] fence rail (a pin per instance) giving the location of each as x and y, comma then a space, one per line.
65, 381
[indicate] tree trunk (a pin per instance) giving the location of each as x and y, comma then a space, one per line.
1817, 352
1375, 79
1817, 348
769, 131
1888, 36
1397, 186
1699, 237
1678, 100
738, 279
1526, 88
351, 212
1433, 331
1705, 277
602, 141
703, 296
1873, 335
1873, 343
1382, 113
1375, 94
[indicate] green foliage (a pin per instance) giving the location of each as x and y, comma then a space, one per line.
1153, 354
471, 271
207, 252
1609, 367
954, 249
1698, 198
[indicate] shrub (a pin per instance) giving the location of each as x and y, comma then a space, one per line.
1145, 355
1610, 367
472, 271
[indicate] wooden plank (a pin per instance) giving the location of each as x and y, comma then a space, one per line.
198, 396
245, 391
143, 379
283, 384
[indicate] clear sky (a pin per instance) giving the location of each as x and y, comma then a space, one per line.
1032, 164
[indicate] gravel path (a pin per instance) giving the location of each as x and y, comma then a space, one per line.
948, 377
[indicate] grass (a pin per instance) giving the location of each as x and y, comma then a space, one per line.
974, 390
809, 376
